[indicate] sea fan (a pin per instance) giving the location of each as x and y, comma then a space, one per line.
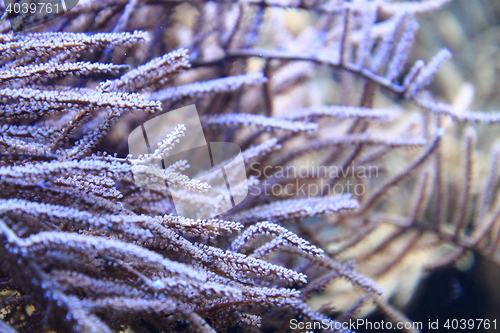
86, 248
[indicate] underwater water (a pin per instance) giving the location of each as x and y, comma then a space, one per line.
471, 30
360, 185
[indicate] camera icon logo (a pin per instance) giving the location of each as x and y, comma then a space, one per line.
219, 164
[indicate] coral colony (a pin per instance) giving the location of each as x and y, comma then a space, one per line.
344, 147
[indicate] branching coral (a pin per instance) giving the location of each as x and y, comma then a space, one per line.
85, 249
